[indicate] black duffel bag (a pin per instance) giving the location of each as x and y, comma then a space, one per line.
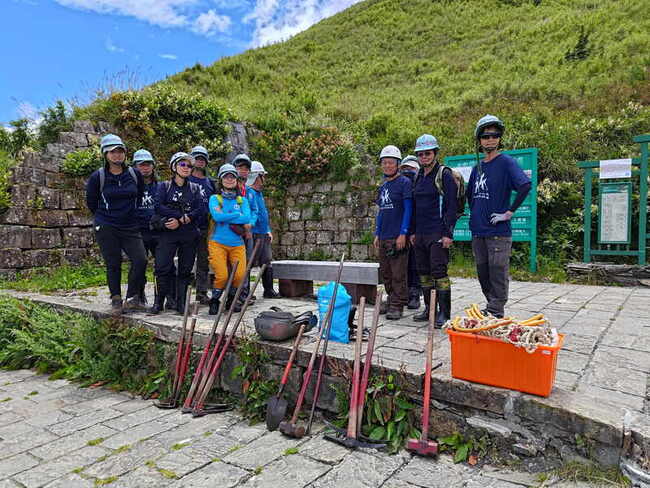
277, 325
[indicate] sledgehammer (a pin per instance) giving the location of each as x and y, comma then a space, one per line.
423, 446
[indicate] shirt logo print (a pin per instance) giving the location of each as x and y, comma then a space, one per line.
480, 184
384, 198
147, 199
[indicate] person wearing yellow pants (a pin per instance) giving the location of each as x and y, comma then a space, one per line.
229, 212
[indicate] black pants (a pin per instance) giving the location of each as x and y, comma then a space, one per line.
170, 244
202, 266
264, 256
112, 241
413, 277
432, 259
246, 285
492, 256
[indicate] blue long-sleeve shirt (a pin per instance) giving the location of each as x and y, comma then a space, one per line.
116, 204
261, 222
233, 211
431, 214
252, 202
173, 202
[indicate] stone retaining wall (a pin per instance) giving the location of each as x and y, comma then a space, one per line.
47, 223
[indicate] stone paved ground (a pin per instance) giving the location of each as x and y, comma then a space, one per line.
57, 435
606, 354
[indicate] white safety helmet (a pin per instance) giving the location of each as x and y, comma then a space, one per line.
257, 169
390, 152
410, 161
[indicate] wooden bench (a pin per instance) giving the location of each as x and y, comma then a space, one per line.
297, 277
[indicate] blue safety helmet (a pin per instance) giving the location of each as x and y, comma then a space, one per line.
240, 160
200, 151
487, 121
110, 142
141, 156
426, 142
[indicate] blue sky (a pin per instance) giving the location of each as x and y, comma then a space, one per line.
67, 49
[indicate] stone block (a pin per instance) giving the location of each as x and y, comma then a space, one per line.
46, 238
346, 224
342, 237
37, 160
299, 237
329, 224
58, 150
314, 225
339, 187
323, 188
323, 237
359, 209
51, 198
54, 180
23, 174
16, 215
23, 196
71, 199
51, 218
287, 239
296, 226
359, 252
93, 139
293, 214
327, 212
342, 212
104, 127
292, 252
78, 236
319, 198
83, 126
311, 236
16, 236
11, 258
80, 218
73, 139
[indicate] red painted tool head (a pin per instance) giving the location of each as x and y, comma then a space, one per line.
292, 430
423, 448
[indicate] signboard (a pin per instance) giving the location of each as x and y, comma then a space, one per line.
524, 221
615, 168
614, 217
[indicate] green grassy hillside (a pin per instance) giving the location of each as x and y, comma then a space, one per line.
561, 73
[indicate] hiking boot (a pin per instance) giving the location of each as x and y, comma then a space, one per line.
383, 307
414, 298
170, 303
394, 313
116, 305
202, 298
271, 294
133, 304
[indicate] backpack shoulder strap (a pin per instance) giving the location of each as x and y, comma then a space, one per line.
239, 199
133, 175
438, 179
102, 179
219, 199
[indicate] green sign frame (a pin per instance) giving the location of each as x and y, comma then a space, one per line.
524, 221
610, 188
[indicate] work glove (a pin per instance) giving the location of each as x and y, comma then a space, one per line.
495, 218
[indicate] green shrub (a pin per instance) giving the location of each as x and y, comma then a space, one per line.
56, 119
82, 162
7, 163
18, 138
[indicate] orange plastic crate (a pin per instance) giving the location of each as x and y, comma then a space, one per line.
490, 361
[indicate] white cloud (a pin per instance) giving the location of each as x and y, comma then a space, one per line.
210, 22
26, 110
276, 21
164, 13
112, 47
168, 56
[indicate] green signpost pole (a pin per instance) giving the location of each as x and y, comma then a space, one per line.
643, 196
587, 216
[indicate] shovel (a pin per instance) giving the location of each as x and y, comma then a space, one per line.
276, 407
423, 446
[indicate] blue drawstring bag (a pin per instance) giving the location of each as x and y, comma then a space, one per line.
339, 330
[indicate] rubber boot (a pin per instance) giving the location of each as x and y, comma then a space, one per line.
159, 297
267, 282
229, 303
214, 301
181, 292
143, 296
414, 298
171, 304
424, 315
383, 307
443, 299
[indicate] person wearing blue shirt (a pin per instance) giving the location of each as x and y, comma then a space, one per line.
144, 162
392, 226
261, 227
229, 211
207, 188
490, 186
112, 195
434, 219
180, 207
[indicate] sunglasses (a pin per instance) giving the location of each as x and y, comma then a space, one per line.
420, 154
184, 164
491, 135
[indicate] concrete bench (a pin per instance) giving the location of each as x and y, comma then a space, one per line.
297, 277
